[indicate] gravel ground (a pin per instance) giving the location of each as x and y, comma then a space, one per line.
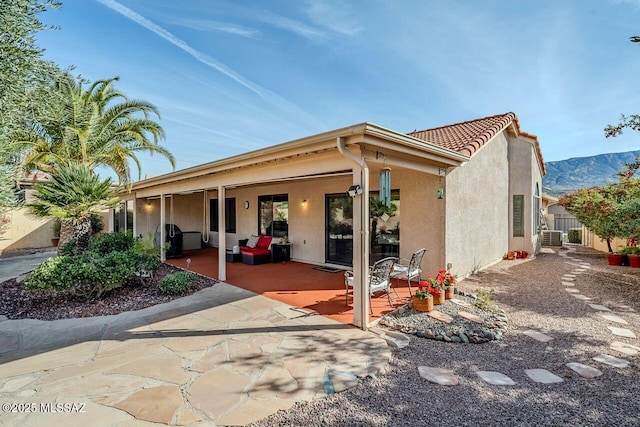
531, 293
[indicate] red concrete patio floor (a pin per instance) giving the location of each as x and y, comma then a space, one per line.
294, 283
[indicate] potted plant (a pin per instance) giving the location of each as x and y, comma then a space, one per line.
633, 255
422, 300
447, 281
436, 290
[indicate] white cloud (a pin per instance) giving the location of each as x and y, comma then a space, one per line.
207, 25
293, 26
264, 93
334, 16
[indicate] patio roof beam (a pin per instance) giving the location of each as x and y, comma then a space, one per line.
392, 160
418, 152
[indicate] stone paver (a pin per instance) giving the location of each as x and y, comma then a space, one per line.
599, 307
438, 375
568, 284
543, 376
583, 370
223, 356
581, 297
571, 290
621, 332
471, 316
438, 315
607, 359
569, 277
614, 318
622, 347
538, 336
157, 405
495, 378
460, 302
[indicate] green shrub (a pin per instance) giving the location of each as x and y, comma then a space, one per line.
112, 242
58, 273
631, 250
574, 235
91, 273
483, 299
176, 283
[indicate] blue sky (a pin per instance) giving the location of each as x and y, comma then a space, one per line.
233, 76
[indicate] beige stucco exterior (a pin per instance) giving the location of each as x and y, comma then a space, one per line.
525, 174
477, 214
24, 231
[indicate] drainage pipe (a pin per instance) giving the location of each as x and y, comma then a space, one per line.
361, 261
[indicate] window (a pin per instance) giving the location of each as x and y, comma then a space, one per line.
273, 215
536, 211
385, 226
518, 215
229, 214
123, 218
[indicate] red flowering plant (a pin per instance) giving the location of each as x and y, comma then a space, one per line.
445, 279
424, 290
438, 284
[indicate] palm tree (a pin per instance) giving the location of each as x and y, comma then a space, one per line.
73, 193
98, 126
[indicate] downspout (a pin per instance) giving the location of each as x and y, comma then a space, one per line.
361, 318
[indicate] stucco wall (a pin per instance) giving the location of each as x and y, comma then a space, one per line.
524, 174
421, 214
477, 209
24, 231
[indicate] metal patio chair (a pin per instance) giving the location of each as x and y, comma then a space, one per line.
379, 279
410, 271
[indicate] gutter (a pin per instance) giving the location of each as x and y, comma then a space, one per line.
362, 270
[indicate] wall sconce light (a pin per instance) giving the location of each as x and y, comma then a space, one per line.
304, 203
354, 190
440, 193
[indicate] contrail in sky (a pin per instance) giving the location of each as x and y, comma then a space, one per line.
265, 94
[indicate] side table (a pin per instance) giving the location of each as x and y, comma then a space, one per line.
281, 252
231, 257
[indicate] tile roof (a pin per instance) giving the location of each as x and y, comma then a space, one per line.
468, 137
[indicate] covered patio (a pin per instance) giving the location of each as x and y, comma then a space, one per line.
295, 283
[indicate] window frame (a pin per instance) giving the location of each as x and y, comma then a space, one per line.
230, 215
518, 215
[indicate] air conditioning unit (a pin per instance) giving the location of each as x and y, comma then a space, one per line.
551, 237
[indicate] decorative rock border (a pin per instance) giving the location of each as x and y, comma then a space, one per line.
461, 330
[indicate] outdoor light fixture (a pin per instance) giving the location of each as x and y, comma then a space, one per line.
304, 203
354, 190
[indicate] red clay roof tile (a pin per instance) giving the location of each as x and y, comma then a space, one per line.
467, 137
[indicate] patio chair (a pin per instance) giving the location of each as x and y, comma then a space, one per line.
411, 271
379, 279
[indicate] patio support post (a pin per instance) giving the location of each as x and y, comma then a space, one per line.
163, 252
361, 239
222, 234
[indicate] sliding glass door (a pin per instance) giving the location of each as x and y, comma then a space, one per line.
339, 229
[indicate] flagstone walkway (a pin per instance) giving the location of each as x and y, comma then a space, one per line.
539, 375
223, 356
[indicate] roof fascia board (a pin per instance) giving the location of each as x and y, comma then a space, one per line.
413, 151
415, 143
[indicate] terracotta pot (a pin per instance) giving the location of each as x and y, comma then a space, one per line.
511, 255
616, 259
449, 292
438, 299
634, 260
55, 241
422, 304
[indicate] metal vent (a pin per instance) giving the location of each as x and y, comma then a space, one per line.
552, 238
